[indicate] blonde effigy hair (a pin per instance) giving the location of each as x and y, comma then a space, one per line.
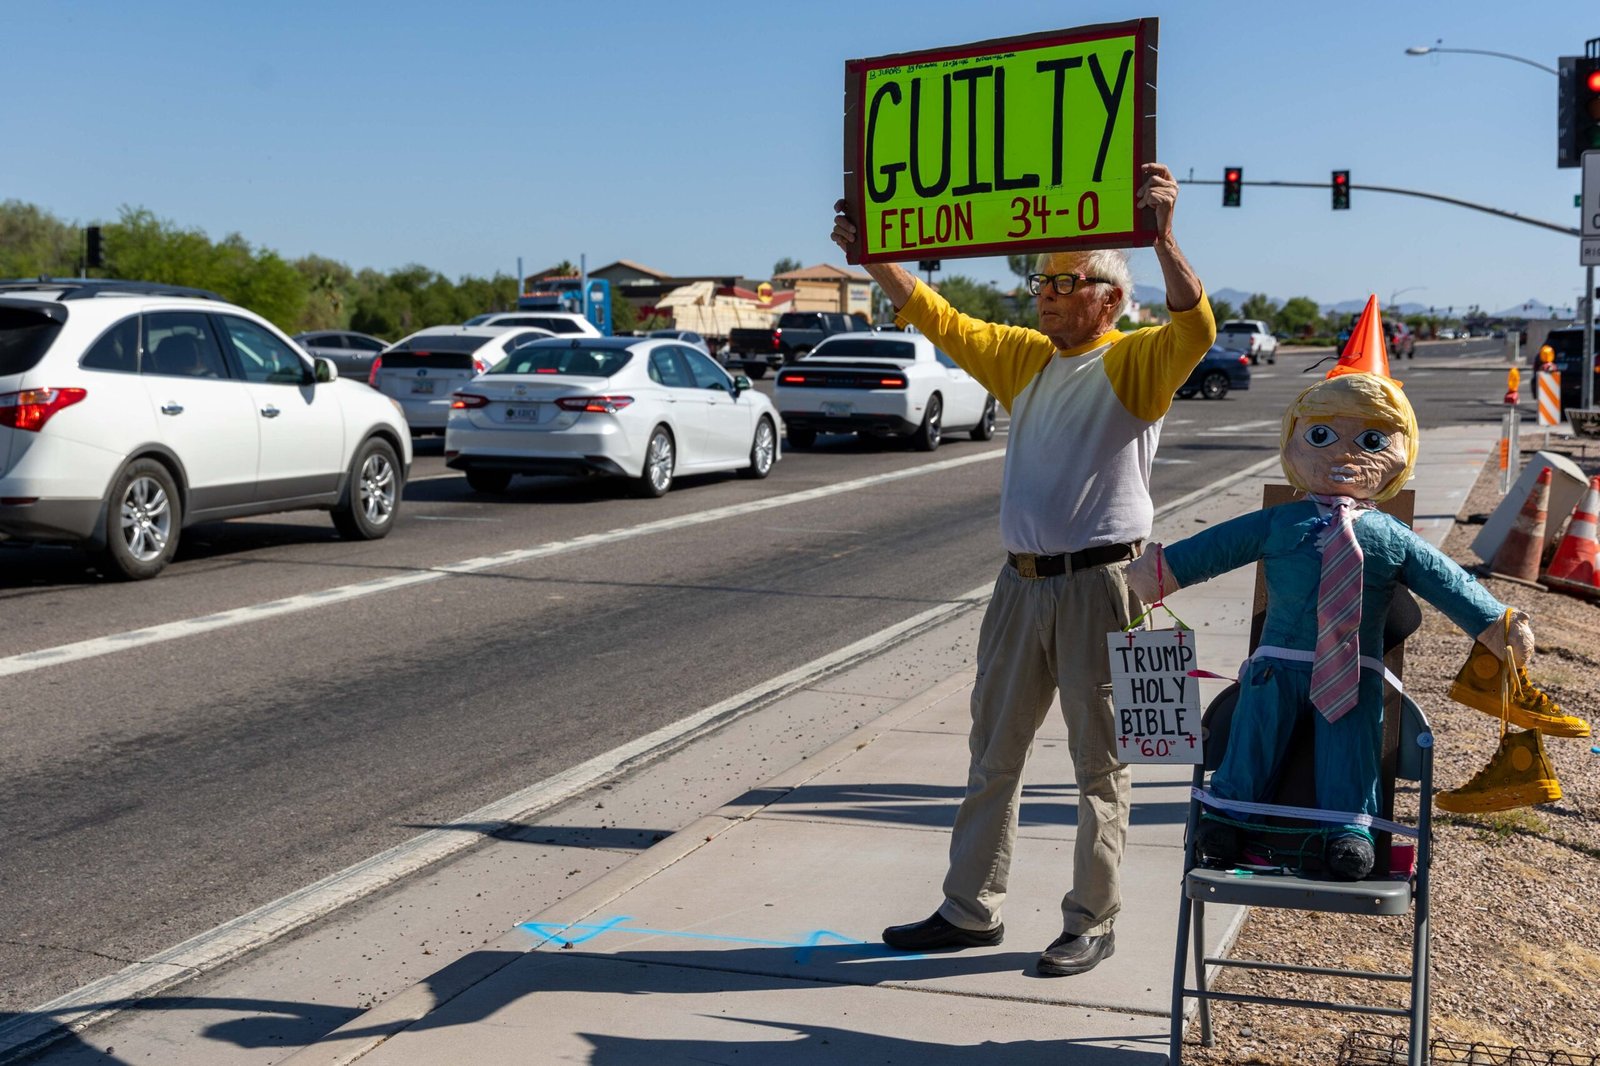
1372, 397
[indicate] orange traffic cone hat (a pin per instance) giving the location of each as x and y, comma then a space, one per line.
1365, 352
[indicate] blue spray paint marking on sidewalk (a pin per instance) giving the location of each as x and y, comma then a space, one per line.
582, 932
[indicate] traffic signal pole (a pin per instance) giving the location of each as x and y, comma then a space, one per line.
1485, 208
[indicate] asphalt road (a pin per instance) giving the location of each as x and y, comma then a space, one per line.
153, 789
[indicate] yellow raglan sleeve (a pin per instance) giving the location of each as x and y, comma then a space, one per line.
1147, 366
1003, 359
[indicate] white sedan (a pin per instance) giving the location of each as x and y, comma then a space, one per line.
886, 384
630, 407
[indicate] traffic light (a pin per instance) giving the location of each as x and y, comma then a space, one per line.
1232, 179
927, 266
1341, 190
1578, 107
94, 255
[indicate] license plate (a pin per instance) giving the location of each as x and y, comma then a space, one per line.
837, 410
421, 387
523, 414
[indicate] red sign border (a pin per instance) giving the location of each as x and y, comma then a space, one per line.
1145, 33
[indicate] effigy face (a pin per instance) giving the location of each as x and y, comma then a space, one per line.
1346, 455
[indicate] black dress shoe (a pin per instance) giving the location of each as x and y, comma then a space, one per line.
936, 934
1068, 954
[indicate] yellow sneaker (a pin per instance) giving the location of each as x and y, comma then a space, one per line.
1478, 686
1517, 775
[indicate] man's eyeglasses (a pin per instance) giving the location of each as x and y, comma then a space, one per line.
1063, 283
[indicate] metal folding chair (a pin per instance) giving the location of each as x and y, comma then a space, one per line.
1407, 756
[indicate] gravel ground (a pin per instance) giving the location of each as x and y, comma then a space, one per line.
1515, 896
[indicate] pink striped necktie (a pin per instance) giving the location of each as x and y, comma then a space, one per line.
1336, 671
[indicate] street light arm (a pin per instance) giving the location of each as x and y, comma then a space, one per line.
1422, 50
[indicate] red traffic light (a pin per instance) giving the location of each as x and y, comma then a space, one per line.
1233, 175
1339, 177
1593, 81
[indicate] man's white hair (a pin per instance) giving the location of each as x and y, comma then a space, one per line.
1108, 263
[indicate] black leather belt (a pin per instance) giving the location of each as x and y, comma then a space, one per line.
1037, 566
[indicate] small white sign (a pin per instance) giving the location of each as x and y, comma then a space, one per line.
1589, 251
1156, 702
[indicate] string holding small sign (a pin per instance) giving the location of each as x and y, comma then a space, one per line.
1155, 691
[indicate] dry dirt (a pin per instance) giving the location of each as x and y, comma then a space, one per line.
1515, 896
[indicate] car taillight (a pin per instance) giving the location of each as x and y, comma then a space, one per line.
604, 405
30, 409
463, 400
777, 339
479, 366
891, 383
791, 379
372, 375
1244, 360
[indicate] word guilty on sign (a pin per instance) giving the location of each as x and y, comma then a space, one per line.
889, 104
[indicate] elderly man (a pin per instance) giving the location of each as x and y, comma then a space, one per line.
1086, 405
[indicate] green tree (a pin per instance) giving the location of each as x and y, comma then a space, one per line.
1259, 306
978, 299
1024, 310
1298, 317
35, 242
624, 316
784, 265
1221, 310
143, 247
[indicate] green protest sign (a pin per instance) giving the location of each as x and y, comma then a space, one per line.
1000, 147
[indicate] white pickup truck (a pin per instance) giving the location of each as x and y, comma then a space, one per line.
1251, 336
887, 384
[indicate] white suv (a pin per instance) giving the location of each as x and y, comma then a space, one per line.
129, 411
1251, 336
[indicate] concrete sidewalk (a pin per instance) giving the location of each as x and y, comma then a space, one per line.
752, 934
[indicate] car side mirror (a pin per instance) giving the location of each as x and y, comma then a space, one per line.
325, 371
741, 383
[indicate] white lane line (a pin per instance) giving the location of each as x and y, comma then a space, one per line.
1158, 461
1243, 428
107, 996
188, 627
434, 477
446, 518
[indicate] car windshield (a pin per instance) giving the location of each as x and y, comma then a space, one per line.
441, 343
867, 349
564, 359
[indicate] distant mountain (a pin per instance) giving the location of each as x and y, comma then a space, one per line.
1534, 309
1152, 295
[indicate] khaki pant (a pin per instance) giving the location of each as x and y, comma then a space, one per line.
1040, 637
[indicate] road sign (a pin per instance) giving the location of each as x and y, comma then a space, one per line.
1589, 251
1005, 146
1590, 226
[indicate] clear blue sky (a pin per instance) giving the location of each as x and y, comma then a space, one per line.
706, 137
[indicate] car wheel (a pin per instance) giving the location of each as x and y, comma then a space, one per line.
984, 430
801, 439
1214, 386
757, 371
143, 520
763, 451
493, 481
371, 493
659, 459
928, 435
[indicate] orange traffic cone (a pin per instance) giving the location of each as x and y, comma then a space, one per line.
1365, 352
1519, 554
1576, 566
